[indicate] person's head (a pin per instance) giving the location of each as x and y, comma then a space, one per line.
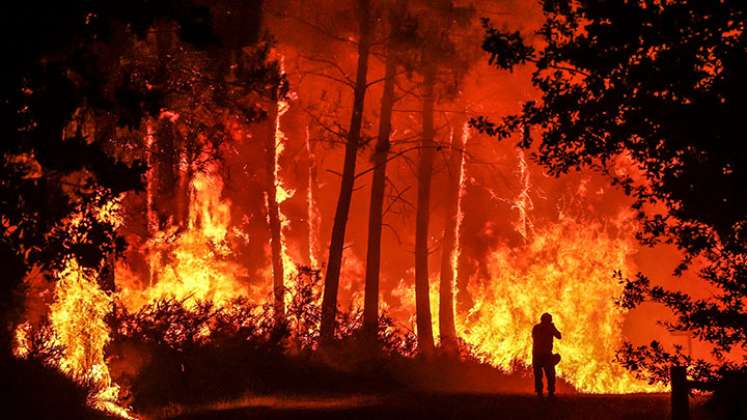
546, 318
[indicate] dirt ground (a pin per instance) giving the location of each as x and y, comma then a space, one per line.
436, 406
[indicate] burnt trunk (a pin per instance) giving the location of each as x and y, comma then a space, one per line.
447, 328
375, 213
425, 172
273, 215
334, 264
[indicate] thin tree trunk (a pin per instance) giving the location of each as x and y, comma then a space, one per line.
334, 264
447, 329
425, 169
273, 215
375, 213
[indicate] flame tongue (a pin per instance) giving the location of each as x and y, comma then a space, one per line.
192, 265
566, 269
281, 194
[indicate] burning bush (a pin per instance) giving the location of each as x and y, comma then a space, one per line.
179, 351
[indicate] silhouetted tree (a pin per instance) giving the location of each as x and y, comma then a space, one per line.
401, 42
651, 94
378, 185
334, 263
443, 65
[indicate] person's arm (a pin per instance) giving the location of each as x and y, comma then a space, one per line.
556, 333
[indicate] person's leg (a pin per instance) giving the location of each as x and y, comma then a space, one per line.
550, 373
537, 367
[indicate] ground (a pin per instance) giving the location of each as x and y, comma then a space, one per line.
435, 406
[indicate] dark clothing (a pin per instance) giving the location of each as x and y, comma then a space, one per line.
544, 364
543, 360
542, 335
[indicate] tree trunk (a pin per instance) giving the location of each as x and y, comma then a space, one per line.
447, 329
312, 212
375, 215
332, 276
183, 185
425, 169
273, 215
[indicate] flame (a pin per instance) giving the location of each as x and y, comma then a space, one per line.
457, 251
523, 202
22, 340
150, 216
194, 264
312, 212
77, 318
565, 269
78, 327
283, 193
405, 310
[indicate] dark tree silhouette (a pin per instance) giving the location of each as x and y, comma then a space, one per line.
397, 28
651, 94
443, 65
334, 262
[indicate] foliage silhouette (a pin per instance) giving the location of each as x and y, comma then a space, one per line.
192, 351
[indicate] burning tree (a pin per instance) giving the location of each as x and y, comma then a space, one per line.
649, 93
332, 275
378, 185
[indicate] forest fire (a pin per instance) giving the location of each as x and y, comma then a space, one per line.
245, 198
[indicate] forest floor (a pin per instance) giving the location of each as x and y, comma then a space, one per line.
431, 406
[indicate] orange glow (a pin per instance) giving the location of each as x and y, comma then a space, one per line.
77, 319
313, 217
455, 254
533, 260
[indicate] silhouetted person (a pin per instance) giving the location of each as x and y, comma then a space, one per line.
543, 360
